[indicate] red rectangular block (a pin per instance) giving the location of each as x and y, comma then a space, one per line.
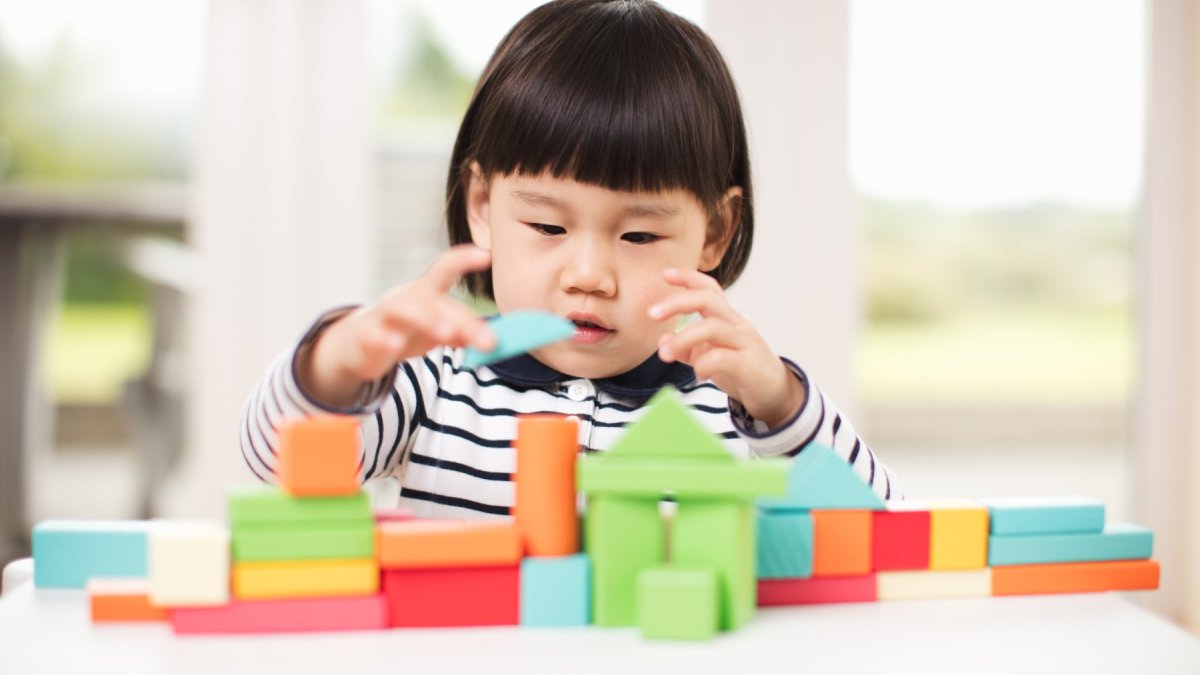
461, 596
367, 612
818, 590
900, 540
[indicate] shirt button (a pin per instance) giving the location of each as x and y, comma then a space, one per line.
577, 391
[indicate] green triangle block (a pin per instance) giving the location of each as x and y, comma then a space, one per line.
820, 479
668, 429
520, 332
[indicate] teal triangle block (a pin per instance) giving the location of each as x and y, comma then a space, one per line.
520, 332
668, 429
820, 479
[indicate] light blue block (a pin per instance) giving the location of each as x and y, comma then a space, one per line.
520, 332
1045, 515
66, 553
556, 591
785, 545
819, 478
1116, 542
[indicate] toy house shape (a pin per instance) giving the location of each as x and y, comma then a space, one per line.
667, 453
820, 479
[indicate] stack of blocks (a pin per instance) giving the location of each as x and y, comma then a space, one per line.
310, 555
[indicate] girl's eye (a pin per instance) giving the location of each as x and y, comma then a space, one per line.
548, 230
640, 237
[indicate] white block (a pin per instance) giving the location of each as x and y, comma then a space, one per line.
188, 563
921, 584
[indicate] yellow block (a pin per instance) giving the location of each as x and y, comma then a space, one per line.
934, 584
305, 578
958, 534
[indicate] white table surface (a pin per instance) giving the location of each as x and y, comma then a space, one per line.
45, 631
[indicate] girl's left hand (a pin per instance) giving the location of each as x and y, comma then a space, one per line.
723, 347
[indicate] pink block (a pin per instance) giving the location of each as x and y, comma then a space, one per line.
283, 616
394, 513
818, 590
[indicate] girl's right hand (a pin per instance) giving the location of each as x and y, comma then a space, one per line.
407, 321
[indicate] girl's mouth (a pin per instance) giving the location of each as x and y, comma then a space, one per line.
588, 333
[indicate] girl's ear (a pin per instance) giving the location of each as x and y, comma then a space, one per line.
479, 207
722, 229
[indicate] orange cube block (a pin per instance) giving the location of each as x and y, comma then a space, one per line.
407, 544
1083, 577
841, 542
119, 599
318, 456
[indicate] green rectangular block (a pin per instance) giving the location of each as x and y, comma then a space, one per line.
268, 504
785, 545
304, 541
1045, 515
622, 536
652, 477
1116, 542
678, 603
719, 535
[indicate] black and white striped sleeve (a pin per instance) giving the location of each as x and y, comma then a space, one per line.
388, 411
817, 422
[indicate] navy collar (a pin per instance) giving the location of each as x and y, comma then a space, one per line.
640, 383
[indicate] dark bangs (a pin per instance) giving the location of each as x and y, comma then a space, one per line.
617, 93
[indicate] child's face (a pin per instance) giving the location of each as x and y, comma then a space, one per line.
591, 254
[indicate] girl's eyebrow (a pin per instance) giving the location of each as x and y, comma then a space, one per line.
649, 210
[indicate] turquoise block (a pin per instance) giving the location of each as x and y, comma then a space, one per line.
66, 553
1045, 515
819, 478
520, 332
1116, 542
785, 545
556, 591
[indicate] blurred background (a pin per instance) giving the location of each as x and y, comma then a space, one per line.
1000, 194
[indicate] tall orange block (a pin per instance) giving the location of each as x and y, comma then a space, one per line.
545, 511
841, 542
318, 456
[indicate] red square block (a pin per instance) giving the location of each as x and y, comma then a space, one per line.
463, 596
900, 540
817, 590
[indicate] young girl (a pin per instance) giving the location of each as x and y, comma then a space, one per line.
600, 173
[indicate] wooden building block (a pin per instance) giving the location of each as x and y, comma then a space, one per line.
556, 591
67, 553
1045, 515
678, 603
1084, 577
262, 504
304, 541
188, 563
719, 535
927, 584
602, 474
463, 596
367, 612
841, 542
318, 456
1116, 542
448, 543
545, 505
393, 513
958, 534
622, 536
305, 578
819, 478
519, 332
818, 590
667, 430
785, 545
900, 538
116, 599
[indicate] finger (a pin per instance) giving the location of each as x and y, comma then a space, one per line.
450, 266
712, 364
409, 316
459, 326
704, 302
708, 332
694, 279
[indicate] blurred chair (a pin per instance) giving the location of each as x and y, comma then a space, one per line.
16, 573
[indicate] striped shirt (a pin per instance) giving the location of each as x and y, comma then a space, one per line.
445, 432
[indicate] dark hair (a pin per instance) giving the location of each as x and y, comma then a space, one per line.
617, 93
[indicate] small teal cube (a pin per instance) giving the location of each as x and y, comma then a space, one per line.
66, 553
785, 545
678, 603
556, 591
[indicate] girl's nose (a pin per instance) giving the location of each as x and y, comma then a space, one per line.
586, 271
